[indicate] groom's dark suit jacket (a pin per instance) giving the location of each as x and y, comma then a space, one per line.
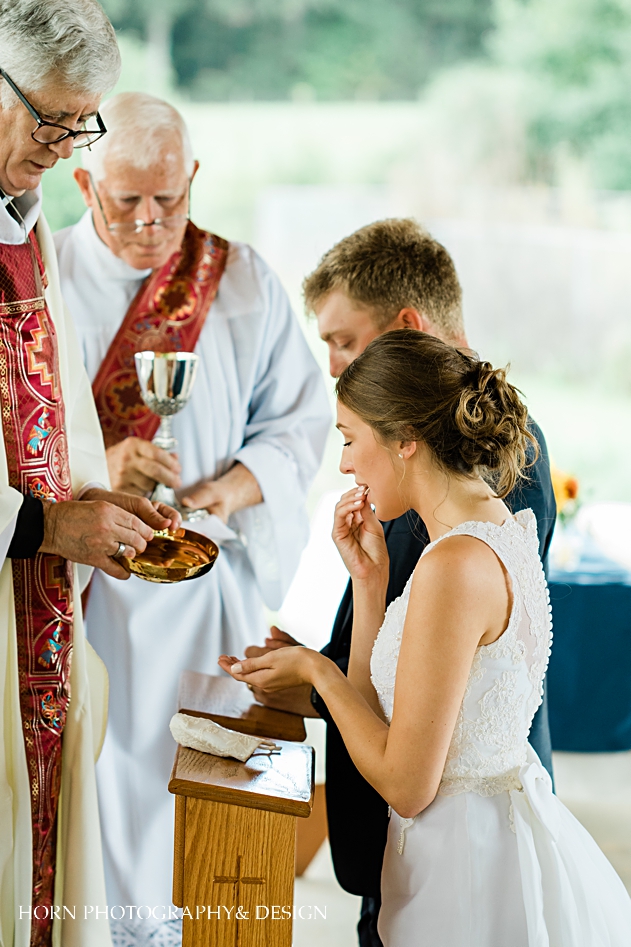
358, 816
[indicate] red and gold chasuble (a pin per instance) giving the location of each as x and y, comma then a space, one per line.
167, 315
37, 457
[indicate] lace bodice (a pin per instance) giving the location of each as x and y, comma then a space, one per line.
505, 684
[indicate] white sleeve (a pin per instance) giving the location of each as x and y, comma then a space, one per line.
5, 539
85, 440
10, 503
283, 445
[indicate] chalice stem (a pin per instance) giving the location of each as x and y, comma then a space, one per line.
166, 381
164, 439
164, 435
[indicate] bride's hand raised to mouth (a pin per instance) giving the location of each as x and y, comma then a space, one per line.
358, 535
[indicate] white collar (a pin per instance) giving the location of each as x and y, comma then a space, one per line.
29, 205
110, 267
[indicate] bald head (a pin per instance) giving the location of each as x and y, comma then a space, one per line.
141, 171
142, 131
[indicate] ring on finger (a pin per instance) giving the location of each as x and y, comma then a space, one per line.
119, 552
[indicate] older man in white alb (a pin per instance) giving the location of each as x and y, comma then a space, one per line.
137, 274
56, 60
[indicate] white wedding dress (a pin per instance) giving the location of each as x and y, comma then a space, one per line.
496, 860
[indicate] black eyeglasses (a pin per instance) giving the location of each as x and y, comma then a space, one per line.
48, 133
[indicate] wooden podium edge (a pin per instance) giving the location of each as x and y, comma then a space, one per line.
179, 851
276, 728
237, 797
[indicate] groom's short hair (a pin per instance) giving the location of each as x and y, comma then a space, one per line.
388, 266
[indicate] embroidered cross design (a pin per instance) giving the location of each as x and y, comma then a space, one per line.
124, 399
41, 356
58, 576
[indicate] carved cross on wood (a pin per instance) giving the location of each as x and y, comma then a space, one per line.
237, 880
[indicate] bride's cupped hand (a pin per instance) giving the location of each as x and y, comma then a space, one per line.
275, 670
358, 535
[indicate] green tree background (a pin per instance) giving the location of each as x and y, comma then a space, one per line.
324, 49
479, 110
574, 60
562, 66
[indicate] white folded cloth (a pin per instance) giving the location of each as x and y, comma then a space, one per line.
205, 735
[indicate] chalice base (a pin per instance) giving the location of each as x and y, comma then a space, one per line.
164, 494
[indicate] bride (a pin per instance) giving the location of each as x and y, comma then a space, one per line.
441, 690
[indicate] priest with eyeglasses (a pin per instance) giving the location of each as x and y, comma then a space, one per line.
137, 274
57, 516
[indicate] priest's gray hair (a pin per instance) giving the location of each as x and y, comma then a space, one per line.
140, 128
69, 40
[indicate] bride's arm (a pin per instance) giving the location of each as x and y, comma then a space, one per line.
359, 537
457, 593
452, 600
369, 604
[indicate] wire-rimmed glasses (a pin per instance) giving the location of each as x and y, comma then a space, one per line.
49, 133
170, 222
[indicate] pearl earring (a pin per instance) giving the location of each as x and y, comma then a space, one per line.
401, 456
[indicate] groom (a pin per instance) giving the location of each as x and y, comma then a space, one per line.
389, 275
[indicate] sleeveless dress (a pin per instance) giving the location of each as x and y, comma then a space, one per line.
496, 860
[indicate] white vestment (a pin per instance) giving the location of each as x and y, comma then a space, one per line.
79, 879
259, 398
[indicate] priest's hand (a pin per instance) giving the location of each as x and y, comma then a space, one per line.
91, 530
135, 466
155, 515
234, 491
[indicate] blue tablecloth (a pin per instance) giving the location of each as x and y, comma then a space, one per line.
589, 679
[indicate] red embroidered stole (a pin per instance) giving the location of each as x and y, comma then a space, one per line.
167, 315
37, 457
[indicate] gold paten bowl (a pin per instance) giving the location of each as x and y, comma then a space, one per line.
173, 557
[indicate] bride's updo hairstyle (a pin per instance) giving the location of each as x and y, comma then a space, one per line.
410, 386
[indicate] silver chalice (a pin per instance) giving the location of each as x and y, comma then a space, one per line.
166, 382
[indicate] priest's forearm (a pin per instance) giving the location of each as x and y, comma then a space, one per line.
243, 487
236, 490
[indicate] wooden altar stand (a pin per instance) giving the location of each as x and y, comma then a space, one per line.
235, 823
230, 704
